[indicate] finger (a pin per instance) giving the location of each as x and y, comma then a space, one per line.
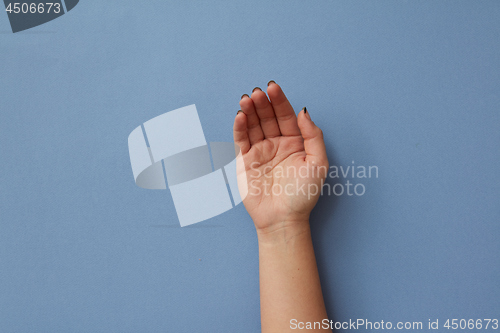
287, 120
265, 111
314, 143
255, 133
240, 133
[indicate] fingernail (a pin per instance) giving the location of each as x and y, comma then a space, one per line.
272, 81
237, 113
306, 113
256, 89
244, 96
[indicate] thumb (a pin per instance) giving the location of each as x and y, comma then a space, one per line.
314, 143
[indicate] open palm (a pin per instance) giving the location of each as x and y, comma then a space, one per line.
282, 156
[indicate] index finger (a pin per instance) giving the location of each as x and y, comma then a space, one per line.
287, 120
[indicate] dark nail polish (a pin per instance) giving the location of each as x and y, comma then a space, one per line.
237, 113
244, 96
272, 81
305, 110
256, 89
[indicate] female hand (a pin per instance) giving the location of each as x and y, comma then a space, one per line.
283, 157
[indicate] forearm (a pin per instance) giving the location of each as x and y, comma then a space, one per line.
289, 281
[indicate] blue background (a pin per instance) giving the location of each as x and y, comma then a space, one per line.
409, 86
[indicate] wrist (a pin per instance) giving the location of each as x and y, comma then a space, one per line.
284, 231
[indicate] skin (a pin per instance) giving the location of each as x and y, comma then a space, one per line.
272, 141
